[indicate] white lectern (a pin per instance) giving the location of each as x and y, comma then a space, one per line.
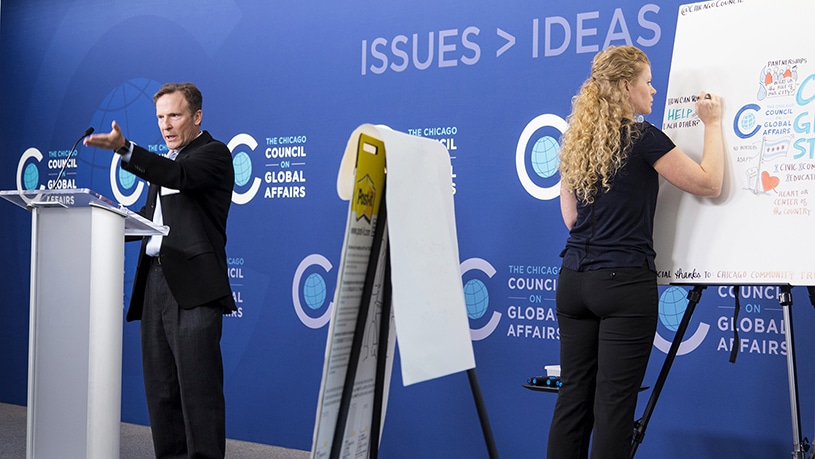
75, 330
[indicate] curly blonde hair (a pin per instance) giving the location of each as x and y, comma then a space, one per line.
600, 129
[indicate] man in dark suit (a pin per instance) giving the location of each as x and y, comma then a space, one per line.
181, 289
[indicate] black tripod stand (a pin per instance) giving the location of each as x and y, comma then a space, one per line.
800, 447
380, 256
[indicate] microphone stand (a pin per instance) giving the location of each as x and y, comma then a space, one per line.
88, 132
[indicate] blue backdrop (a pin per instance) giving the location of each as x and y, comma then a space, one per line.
284, 84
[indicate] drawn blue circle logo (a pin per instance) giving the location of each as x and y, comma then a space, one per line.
672, 305
243, 168
745, 124
314, 291
477, 298
31, 176
748, 121
545, 156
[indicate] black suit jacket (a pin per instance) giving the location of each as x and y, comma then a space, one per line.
196, 192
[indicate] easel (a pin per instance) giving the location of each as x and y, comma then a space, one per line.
357, 370
785, 299
380, 244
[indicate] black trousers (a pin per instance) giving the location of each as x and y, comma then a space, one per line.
607, 321
183, 374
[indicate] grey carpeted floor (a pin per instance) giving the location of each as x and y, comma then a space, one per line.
135, 441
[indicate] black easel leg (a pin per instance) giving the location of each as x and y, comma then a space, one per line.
785, 298
356, 343
639, 431
811, 290
482, 413
381, 360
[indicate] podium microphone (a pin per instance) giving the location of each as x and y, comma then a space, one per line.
88, 132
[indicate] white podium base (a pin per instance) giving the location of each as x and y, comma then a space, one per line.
75, 336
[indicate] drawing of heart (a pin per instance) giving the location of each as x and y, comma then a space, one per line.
768, 181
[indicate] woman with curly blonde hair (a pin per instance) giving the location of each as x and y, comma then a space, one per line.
607, 297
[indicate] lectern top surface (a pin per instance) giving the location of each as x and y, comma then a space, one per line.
135, 224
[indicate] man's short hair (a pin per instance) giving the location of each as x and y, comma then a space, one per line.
189, 90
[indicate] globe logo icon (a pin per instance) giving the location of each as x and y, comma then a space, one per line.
31, 176
748, 121
672, 305
477, 298
314, 291
545, 156
243, 168
126, 179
